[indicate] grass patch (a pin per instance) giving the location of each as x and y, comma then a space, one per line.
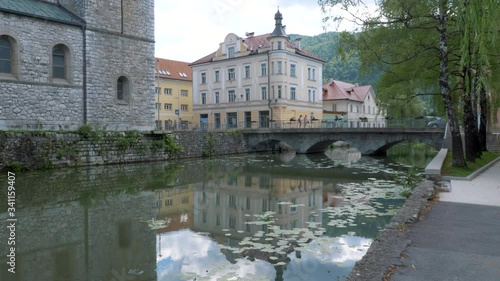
449, 170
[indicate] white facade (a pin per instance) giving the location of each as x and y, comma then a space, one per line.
249, 82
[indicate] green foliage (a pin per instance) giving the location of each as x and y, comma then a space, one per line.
15, 166
209, 144
411, 179
485, 158
90, 132
167, 145
232, 133
341, 62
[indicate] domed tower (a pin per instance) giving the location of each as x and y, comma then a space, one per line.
278, 38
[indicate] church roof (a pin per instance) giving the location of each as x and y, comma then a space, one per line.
40, 9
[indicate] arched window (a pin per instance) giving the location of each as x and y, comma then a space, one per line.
122, 89
5, 55
59, 62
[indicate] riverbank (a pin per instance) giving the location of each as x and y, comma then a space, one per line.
385, 251
88, 147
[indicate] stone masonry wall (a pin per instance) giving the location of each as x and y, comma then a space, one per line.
120, 42
42, 150
31, 98
110, 57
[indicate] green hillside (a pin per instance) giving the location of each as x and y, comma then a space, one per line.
326, 46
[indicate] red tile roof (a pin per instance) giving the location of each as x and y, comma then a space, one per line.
172, 69
259, 41
338, 90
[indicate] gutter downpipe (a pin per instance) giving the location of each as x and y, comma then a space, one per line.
84, 66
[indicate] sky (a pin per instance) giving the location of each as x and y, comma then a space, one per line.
189, 30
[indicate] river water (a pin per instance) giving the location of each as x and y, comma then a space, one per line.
244, 217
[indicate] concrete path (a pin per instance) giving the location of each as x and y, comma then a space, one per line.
459, 238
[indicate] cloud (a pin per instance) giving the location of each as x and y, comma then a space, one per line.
189, 30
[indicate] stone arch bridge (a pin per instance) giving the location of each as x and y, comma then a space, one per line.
369, 141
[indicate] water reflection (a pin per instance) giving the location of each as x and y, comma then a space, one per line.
251, 217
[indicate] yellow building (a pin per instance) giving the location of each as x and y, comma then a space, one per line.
257, 82
173, 94
176, 206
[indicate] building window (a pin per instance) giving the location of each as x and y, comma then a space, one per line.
232, 222
313, 74
217, 97
184, 93
263, 92
293, 93
203, 98
272, 68
351, 108
158, 105
230, 52
248, 204
6, 56
122, 88
280, 70
247, 71
169, 202
157, 90
263, 69
185, 200
217, 220
184, 107
279, 45
247, 94
204, 78
334, 107
231, 95
312, 95
217, 120
279, 92
168, 106
217, 76
231, 74
232, 201
167, 91
293, 70
59, 62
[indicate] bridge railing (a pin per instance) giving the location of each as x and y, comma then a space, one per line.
316, 123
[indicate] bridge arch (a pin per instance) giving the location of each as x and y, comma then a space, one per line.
369, 141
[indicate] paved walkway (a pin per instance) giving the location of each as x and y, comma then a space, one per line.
459, 238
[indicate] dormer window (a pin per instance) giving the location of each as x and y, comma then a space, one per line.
230, 52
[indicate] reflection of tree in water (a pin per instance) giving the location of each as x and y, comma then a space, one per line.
411, 153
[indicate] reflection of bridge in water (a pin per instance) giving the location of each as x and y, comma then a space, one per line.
369, 141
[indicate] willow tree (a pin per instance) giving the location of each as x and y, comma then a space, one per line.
478, 22
417, 29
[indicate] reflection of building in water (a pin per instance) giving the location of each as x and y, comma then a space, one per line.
238, 198
68, 241
175, 205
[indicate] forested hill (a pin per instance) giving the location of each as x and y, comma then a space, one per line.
325, 45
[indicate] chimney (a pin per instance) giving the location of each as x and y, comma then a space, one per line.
357, 84
249, 34
297, 43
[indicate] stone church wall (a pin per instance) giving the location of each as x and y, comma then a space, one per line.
32, 99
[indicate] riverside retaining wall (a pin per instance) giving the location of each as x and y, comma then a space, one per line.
43, 150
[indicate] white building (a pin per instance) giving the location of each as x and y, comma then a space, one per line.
258, 81
350, 105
